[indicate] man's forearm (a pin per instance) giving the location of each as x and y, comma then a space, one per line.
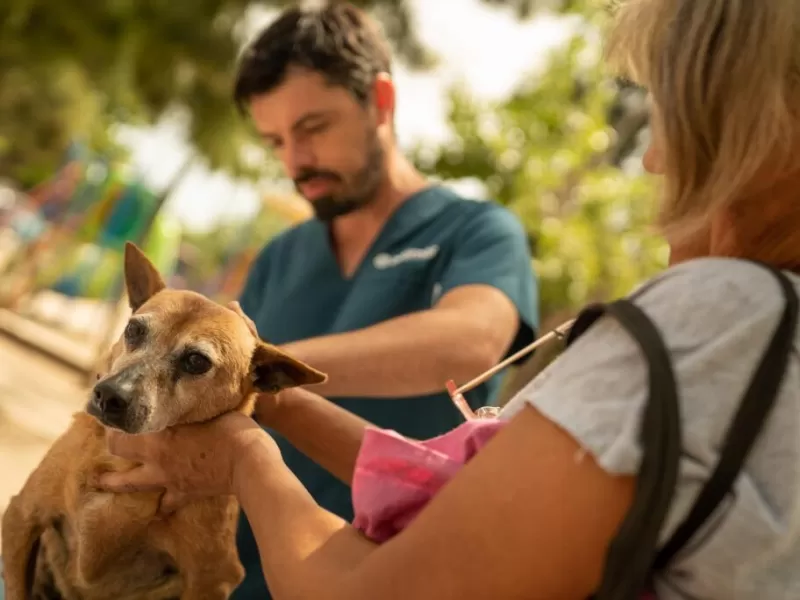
326, 433
407, 356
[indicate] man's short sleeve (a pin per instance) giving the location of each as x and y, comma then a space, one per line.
492, 249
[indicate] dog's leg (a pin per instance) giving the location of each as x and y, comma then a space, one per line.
30, 512
107, 524
22, 528
201, 539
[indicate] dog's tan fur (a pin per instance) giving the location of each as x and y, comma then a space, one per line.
61, 532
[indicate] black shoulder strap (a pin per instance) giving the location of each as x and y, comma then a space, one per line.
629, 558
629, 562
758, 401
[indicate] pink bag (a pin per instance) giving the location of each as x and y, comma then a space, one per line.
395, 477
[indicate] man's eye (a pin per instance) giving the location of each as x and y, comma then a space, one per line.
317, 128
195, 363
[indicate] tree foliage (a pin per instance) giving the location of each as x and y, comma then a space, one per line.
130, 61
548, 152
42, 108
71, 68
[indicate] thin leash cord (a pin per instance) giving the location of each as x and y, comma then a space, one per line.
457, 393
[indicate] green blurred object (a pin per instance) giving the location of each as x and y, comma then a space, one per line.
549, 152
91, 270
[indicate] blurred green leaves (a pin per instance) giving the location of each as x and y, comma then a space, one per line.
86, 65
550, 153
69, 68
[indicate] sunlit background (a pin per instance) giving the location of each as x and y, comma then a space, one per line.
116, 123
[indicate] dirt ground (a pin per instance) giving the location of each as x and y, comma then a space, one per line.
37, 398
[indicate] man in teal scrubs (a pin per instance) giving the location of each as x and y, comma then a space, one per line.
397, 284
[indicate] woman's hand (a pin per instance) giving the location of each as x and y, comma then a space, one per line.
189, 461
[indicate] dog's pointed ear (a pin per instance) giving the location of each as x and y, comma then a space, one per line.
273, 370
142, 279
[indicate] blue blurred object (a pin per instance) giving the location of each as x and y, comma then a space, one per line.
28, 226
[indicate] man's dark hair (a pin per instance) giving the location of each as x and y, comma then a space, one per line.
339, 41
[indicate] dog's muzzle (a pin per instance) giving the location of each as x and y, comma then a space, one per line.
115, 404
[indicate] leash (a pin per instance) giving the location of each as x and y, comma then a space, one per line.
457, 393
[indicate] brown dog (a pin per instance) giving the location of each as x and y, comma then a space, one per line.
182, 359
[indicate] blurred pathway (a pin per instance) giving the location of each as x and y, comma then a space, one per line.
37, 398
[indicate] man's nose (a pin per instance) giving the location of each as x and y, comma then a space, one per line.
296, 158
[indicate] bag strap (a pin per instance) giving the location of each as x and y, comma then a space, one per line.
758, 401
629, 564
629, 559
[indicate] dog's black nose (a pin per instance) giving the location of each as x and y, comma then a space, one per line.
110, 401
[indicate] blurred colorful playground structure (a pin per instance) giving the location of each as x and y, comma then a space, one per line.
65, 238
73, 227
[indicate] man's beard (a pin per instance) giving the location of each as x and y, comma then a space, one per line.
362, 191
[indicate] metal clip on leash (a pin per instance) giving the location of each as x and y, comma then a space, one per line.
484, 412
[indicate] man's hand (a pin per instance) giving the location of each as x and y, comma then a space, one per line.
189, 462
265, 403
267, 406
236, 307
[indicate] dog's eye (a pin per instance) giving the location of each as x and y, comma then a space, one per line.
195, 363
135, 332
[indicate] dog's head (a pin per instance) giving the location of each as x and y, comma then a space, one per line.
184, 359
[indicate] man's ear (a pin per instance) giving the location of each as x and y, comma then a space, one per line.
385, 96
142, 279
273, 370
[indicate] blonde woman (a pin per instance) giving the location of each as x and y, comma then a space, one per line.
533, 514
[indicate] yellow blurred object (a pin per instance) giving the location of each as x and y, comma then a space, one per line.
291, 207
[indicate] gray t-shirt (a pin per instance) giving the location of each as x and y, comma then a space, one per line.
716, 317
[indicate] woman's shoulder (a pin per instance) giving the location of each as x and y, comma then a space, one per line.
703, 280
711, 296
716, 317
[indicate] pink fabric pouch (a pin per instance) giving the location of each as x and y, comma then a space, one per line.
395, 477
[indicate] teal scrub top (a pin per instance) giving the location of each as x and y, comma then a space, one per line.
434, 242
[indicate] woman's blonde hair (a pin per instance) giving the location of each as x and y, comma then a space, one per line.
723, 77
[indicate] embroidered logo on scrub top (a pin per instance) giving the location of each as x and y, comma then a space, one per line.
387, 261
